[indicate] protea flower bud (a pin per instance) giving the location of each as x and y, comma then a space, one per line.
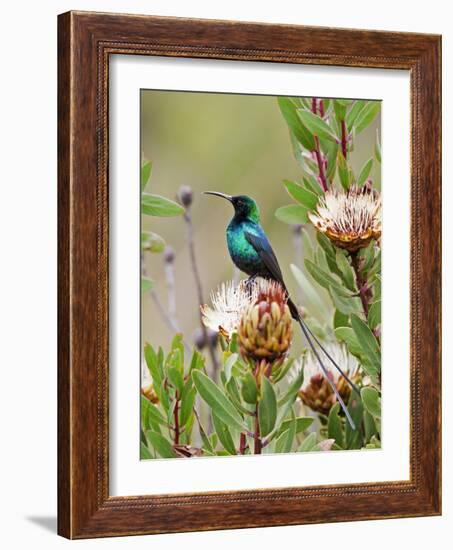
316, 392
150, 393
351, 219
265, 330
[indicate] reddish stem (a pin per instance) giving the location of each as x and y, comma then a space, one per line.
343, 139
242, 444
176, 428
320, 161
257, 445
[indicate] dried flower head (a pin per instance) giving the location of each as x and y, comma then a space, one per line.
316, 392
265, 330
351, 219
229, 302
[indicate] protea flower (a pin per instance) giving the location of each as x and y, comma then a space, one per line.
147, 386
351, 219
265, 330
316, 392
229, 302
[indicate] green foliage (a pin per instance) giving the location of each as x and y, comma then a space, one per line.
247, 406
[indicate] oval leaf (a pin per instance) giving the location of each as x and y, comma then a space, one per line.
316, 125
371, 401
267, 407
293, 214
306, 198
162, 445
217, 400
155, 205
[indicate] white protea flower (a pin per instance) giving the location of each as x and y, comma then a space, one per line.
351, 219
229, 302
315, 391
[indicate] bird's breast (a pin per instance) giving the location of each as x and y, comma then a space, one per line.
242, 253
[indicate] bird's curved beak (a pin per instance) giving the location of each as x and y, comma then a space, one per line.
223, 195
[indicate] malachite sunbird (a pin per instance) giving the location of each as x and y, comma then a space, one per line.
252, 253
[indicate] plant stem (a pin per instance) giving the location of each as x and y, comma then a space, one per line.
170, 278
176, 416
320, 161
196, 274
257, 446
343, 139
242, 444
171, 323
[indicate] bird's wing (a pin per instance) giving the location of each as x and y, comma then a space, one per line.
262, 246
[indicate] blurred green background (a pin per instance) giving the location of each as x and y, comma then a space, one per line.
236, 144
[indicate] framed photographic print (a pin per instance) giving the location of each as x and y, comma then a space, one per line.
249, 275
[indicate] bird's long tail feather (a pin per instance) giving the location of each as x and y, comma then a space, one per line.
332, 360
308, 335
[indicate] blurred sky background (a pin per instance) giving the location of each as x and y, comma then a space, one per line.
236, 144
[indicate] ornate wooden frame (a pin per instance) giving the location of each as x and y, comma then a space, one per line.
85, 42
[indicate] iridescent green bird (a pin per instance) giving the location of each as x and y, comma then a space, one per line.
252, 253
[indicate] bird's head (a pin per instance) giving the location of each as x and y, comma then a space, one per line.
244, 207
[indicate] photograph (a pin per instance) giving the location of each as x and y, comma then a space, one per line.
260, 246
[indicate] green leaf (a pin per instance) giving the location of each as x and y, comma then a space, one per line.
365, 172
187, 403
285, 440
312, 297
152, 242
371, 401
354, 437
292, 390
374, 314
302, 423
145, 453
161, 444
367, 341
325, 279
366, 115
353, 113
335, 426
217, 400
267, 407
348, 336
288, 109
229, 363
249, 390
316, 125
175, 377
306, 198
278, 373
308, 444
145, 174
377, 147
344, 172
224, 435
346, 270
155, 205
340, 319
310, 183
331, 152
345, 304
340, 109
153, 364
146, 284
150, 413
293, 214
